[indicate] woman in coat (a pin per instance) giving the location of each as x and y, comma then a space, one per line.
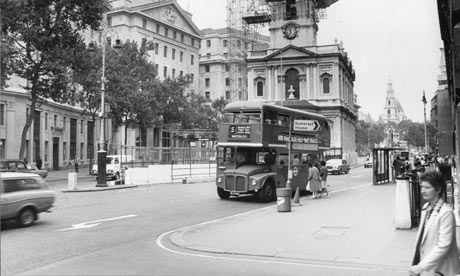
314, 179
436, 251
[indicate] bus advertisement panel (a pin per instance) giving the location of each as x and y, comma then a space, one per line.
254, 153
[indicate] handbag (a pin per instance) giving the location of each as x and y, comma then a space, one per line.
308, 186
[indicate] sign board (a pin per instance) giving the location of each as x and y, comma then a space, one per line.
306, 125
239, 132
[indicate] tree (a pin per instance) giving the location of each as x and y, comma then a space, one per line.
44, 47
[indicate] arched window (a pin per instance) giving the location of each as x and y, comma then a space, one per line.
260, 89
292, 83
326, 85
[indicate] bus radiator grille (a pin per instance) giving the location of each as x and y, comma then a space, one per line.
238, 185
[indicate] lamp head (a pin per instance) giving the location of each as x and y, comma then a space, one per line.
117, 43
92, 46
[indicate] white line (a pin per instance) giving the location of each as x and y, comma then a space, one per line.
93, 223
359, 175
239, 258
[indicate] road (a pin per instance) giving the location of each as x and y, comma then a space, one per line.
115, 232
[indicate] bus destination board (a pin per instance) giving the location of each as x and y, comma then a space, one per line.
239, 132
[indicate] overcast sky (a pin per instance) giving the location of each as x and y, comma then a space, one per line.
397, 39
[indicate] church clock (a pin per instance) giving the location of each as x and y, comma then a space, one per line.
290, 30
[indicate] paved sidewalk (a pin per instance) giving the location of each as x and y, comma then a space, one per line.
352, 228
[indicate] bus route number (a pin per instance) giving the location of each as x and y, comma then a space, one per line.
239, 132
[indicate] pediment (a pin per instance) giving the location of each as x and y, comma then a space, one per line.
171, 14
291, 52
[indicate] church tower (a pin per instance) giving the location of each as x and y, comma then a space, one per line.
293, 23
393, 111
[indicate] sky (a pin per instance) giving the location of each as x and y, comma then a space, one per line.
385, 39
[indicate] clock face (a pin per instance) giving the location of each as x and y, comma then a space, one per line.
290, 31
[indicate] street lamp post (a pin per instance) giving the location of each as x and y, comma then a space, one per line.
424, 116
102, 145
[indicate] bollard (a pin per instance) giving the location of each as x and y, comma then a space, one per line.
184, 180
402, 210
72, 181
284, 199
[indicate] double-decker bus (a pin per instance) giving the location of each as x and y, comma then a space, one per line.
253, 152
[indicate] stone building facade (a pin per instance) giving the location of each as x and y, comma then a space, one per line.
294, 71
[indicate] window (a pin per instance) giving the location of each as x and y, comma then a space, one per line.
228, 95
173, 73
158, 29
181, 74
182, 38
46, 151
206, 68
165, 71
389, 102
291, 10
192, 77
227, 68
260, 89
64, 151
389, 112
156, 68
166, 31
2, 114
2, 148
208, 43
144, 23
109, 21
208, 95
82, 146
326, 85
225, 43
55, 120
174, 35
207, 82
63, 122
173, 54
193, 42
227, 81
46, 121
181, 57
165, 53
156, 48
192, 59
208, 55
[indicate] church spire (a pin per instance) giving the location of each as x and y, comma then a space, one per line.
390, 91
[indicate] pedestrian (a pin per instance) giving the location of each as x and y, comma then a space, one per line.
25, 160
76, 165
323, 174
436, 250
397, 166
314, 179
39, 162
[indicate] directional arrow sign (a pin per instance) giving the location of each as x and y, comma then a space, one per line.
306, 125
90, 224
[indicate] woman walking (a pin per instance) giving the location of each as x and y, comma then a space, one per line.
314, 179
436, 250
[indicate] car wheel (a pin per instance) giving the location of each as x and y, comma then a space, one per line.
267, 193
347, 171
26, 217
222, 193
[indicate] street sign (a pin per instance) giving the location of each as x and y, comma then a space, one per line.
306, 125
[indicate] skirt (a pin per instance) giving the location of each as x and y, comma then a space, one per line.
315, 185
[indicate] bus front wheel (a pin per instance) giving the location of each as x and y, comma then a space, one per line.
222, 193
267, 193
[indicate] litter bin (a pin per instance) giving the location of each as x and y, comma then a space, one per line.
284, 199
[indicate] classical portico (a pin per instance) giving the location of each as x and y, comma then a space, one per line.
294, 71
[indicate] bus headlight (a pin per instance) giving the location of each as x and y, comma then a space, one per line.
219, 180
254, 182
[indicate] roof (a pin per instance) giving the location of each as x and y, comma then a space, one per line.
258, 105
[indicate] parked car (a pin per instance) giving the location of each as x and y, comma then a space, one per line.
368, 163
337, 166
23, 196
16, 165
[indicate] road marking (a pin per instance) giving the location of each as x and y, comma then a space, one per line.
359, 175
93, 223
242, 258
